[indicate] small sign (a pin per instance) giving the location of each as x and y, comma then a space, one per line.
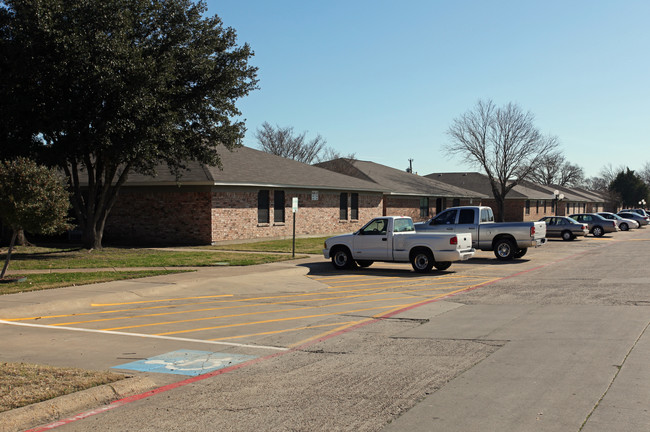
294, 204
314, 195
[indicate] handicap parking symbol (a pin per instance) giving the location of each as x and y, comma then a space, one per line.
186, 362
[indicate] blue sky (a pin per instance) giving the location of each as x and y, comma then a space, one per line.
384, 79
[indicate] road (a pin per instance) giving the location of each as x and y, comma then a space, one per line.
556, 341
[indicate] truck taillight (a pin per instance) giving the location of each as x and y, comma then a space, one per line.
453, 240
532, 231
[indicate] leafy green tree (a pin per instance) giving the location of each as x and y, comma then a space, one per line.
630, 188
32, 197
112, 87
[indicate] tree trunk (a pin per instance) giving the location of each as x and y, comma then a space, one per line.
11, 247
21, 239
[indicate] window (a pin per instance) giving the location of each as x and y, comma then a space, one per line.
404, 225
527, 207
424, 207
487, 215
343, 206
537, 206
375, 227
263, 206
455, 202
445, 218
278, 206
354, 206
544, 204
466, 216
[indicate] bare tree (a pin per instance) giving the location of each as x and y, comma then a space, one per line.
282, 141
503, 141
554, 169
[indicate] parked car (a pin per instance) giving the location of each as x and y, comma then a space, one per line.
623, 223
393, 239
508, 240
564, 227
642, 212
642, 220
598, 225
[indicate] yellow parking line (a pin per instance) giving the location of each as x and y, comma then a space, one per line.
215, 301
338, 329
275, 320
244, 306
281, 331
249, 313
161, 300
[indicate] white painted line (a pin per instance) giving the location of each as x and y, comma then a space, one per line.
144, 336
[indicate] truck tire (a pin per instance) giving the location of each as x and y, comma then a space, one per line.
442, 265
364, 263
521, 252
504, 249
342, 258
422, 260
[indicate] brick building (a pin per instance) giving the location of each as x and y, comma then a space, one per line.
527, 201
406, 194
250, 198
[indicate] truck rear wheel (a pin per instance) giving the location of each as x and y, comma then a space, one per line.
504, 249
422, 260
342, 259
521, 252
364, 263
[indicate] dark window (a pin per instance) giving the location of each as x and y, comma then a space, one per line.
354, 206
263, 206
445, 218
278, 206
527, 207
466, 216
455, 202
343, 206
424, 207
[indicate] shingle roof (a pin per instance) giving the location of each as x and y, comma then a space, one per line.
398, 182
245, 166
475, 182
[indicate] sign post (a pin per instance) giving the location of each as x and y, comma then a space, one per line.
294, 210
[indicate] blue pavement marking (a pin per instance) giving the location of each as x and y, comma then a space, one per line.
186, 362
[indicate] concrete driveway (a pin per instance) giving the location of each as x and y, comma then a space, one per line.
555, 341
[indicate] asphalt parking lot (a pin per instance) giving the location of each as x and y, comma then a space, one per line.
555, 334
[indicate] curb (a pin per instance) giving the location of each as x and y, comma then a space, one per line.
51, 410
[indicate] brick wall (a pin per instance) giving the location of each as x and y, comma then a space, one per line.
160, 216
235, 215
403, 206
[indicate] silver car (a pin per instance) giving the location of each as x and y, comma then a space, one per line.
623, 224
598, 225
565, 227
642, 220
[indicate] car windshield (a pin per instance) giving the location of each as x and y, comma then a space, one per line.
571, 220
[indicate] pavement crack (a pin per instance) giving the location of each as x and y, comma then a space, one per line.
618, 371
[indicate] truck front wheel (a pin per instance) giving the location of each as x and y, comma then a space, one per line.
342, 259
504, 249
422, 260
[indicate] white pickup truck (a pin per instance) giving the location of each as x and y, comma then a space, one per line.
393, 239
508, 240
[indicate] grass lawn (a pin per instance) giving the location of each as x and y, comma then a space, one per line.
40, 258
23, 384
303, 246
41, 281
